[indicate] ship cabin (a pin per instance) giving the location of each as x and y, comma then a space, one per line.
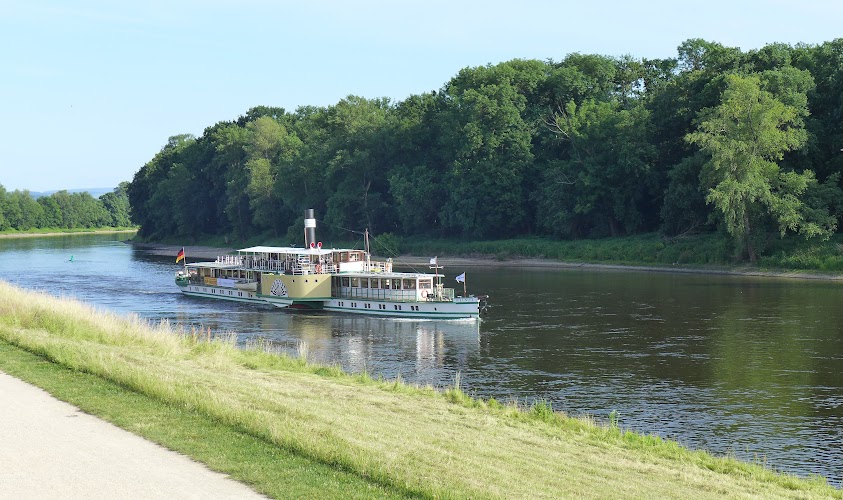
390, 286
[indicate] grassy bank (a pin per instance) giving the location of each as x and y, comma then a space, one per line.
384, 437
266, 467
704, 251
58, 231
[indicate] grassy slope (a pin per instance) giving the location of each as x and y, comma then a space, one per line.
57, 231
408, 440
263, 465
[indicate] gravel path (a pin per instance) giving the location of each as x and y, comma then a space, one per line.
50, 449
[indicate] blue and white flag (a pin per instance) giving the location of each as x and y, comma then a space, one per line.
461, 278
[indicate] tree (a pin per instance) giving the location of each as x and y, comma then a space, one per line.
601, 184
745, 136
268, 144
117, 205
491, 147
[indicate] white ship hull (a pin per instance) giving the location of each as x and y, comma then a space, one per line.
215, 292
467, 309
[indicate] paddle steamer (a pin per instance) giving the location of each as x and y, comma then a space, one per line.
312, 277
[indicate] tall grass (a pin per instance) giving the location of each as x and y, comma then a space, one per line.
413, 440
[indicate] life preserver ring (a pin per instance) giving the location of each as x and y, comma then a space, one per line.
318, 268
424, 294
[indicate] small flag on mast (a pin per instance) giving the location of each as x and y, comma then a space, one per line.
433, 261
461, 278
180, 256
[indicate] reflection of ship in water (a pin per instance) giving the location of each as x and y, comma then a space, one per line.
379, 346
391, 347
421, 351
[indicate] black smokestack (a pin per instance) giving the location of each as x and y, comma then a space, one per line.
309, 228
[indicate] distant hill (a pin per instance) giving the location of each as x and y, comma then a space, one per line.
95, 192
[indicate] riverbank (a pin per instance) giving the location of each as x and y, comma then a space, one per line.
67, 232
201, 253
402, 439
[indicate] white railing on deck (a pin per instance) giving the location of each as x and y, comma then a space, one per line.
231, 260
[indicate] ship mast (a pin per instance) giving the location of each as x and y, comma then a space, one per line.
368, 253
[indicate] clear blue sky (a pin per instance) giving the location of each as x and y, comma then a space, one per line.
91, 90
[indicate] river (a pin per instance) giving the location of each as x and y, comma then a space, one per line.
745, 366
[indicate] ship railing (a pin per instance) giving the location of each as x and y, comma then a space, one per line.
379, 267
231, 260
314, 268
447, 295
265, 265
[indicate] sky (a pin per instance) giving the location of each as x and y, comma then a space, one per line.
91, 90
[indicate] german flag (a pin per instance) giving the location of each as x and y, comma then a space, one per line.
180, 256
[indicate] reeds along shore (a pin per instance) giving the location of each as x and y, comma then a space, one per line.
411, 440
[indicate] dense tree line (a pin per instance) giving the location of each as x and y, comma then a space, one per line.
716, 139
62, 210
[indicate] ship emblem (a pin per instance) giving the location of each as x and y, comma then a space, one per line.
279, 289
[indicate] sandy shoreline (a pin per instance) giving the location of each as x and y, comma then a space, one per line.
197, 253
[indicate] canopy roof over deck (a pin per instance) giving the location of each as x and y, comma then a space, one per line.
294, 250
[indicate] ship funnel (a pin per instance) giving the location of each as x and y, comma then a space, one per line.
309, 228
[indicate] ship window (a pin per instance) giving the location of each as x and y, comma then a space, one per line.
345, 282
355, 282
425, 284
409, 284
396, 284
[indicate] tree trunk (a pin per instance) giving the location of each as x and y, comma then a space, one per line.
750, 246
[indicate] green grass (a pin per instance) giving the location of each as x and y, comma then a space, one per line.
698, 251
404, 439
48, 231
262, 465
704, 251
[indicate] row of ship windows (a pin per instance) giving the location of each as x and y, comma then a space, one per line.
380, 306
222, 292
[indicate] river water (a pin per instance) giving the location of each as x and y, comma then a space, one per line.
744, 366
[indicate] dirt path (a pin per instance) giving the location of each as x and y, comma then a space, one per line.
50, 449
